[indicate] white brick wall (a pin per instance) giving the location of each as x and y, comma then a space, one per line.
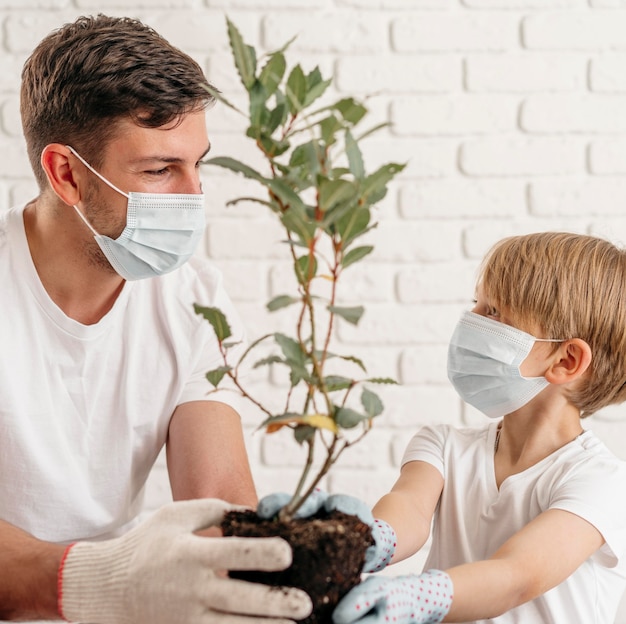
510, 113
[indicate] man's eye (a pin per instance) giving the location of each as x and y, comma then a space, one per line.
157, 172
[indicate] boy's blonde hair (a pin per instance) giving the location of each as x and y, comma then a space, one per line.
570, 286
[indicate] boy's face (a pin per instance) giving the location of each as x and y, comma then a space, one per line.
536, 363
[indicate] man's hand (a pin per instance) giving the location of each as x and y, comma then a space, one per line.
412, 599
377, 556
160, 572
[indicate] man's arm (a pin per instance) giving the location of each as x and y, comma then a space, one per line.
28, 575
206, 454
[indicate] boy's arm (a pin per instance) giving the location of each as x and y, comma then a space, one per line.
410, 505
28, 575
537, 558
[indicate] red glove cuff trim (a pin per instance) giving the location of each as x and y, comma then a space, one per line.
60, 582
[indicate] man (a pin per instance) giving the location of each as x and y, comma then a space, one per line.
103, 356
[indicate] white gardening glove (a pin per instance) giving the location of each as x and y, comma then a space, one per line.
161, 573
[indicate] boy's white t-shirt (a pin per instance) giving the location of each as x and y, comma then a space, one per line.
85, 409
474, 518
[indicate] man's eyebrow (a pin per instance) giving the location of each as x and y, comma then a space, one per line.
167, 159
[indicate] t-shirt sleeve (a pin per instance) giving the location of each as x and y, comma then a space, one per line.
206, 355
595, 493
427, 445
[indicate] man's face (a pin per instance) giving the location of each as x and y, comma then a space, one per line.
148, 160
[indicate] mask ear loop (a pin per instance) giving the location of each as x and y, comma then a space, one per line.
110, 184
82, 216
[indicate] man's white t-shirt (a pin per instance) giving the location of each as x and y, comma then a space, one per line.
85, 409
474, 518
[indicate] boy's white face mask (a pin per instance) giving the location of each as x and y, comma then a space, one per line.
162, 231
484, 359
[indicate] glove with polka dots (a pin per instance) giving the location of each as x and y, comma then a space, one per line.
377, 556
412, 599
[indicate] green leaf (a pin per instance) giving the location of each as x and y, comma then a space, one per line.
348, 418
282, 301
278, 116
306, 268
337, 382
271, 359
351, 110
220, 98
352, 314
315, 87
217, 319
259, 114
356, 254
291, 348
296, 89
235, 165
333, 192
374, 186
303, 433
244, 55
216, 375
354, 360
272, 73
371, 403
297, 222
328, 128
355, 158
353, 224
382, 380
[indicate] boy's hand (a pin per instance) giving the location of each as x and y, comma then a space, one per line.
377, 556
412, 599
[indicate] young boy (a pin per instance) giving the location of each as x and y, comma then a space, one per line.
529, 511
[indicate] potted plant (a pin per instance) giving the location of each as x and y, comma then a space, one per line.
316, 184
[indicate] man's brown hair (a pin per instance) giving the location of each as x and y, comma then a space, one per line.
88, 74
570, 286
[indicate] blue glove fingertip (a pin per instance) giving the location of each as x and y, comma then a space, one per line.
349, 505
271, 504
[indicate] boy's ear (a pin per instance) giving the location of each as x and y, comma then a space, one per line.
570, 361
61, 173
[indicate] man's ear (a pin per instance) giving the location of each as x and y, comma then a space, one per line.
570, 362
62, 173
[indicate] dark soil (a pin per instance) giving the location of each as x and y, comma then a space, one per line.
328, 555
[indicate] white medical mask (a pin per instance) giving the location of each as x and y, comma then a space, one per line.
162, 231
484, 359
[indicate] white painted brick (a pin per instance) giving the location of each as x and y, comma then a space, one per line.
367, 484
426, 364
455, 115
417, 405
22, 191
574, 30
427, 241
246, 281
463, 198
397, 4
554, 114
480, 236
455, 31
266, 5
608, 4
105, 5
608, 156
283, 479
34, 4
524, 4
10, 115
436, 283
233, 238
399, 74
10, 72
608, 73
334, 31
579, 197
612, 229
424, 157
24, 29
525, 72
399, 324
522, 157
14, 161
